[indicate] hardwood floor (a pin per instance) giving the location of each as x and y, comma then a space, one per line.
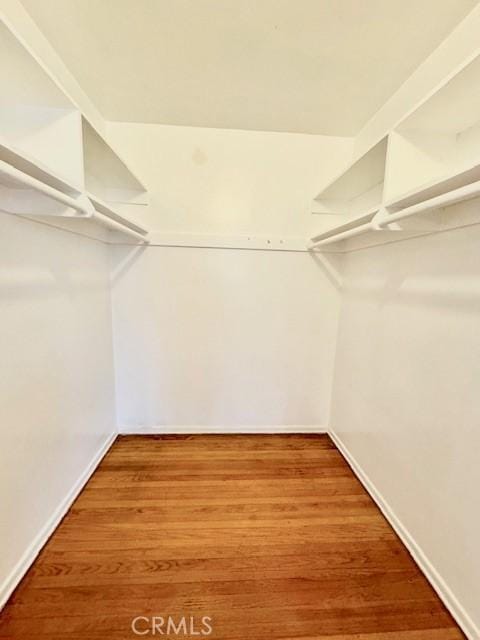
269, 536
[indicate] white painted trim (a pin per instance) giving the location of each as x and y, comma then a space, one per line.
438, 583
220, 241
30, 554
207, 429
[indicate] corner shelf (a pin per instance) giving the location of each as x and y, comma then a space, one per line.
349, 203
107, 215
106, 174
358, 189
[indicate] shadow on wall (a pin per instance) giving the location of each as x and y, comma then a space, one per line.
432, 271
122, 260
331, 265
38, 272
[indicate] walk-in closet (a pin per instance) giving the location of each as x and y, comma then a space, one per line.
240, 319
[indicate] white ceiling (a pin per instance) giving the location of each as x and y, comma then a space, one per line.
313, 66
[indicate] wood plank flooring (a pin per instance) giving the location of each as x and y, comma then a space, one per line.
270, 536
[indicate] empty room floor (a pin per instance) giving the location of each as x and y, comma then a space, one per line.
267, 536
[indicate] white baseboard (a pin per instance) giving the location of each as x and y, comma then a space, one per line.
438, 583
22, 566
220, 429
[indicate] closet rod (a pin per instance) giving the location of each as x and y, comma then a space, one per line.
344, 235
32, 183
451, 197
380, 222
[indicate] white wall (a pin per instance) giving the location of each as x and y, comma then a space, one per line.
57, 409
406, 389
222, 338
56, 379
406, 395
217, 337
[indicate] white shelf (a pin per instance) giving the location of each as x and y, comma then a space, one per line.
23, 194
358, 222
35, 168
54, 166
120, 220
436, 148
432, 164
28, 187
106, 174
436, 187
358, 189
30, 190
34, 112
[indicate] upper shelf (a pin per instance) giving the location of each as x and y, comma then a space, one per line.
106, 174
432, 164
353, 198
31, 192
53, 162
441, 185
24, 194
27, 164
34, 112
436, 148
358, 189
